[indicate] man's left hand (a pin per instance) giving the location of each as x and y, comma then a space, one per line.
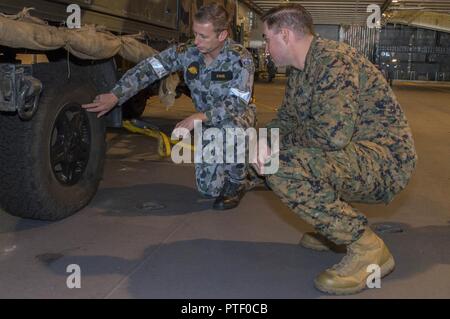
188, 123
262, 158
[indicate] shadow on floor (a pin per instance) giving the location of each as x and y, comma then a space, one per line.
157, 199
206, 268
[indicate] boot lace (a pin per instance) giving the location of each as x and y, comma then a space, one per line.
348, 259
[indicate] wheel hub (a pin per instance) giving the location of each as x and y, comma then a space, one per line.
70, 144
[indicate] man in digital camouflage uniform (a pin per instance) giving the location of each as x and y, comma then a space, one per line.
343, 138
219, 74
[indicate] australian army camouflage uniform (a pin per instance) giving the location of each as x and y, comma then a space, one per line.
221, 90
343, 138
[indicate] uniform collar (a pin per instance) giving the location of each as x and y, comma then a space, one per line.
310, 55
223, 51
226, 46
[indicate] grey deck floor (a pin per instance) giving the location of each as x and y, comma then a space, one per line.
185, 249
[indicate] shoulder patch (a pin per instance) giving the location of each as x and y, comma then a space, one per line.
238, 49
182, 47
244, 55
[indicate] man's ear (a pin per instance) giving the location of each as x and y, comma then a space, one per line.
223, 35
285, 35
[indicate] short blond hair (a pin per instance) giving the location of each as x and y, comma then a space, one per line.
216, 14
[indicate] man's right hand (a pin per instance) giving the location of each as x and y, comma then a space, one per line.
102, 104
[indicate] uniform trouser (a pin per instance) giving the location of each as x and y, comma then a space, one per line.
317, 185
211, 178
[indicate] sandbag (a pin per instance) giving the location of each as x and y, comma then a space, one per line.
135, 51
90, 43
19, 34
167, 89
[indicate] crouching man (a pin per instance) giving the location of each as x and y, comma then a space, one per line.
219, 74
343, 138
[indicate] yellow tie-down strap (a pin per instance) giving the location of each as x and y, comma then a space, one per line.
164, 142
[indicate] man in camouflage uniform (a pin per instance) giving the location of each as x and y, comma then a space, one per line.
219, 74
343, 138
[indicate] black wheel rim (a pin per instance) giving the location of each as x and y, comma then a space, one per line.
70, 144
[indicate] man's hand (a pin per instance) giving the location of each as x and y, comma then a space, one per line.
263, 157
102, 104
188, 123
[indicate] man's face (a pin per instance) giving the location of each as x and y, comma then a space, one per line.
206, 39
275, 46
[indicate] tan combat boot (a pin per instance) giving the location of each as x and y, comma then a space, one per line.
350, 275
318, 242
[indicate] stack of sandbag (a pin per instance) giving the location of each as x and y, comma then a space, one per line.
89, 42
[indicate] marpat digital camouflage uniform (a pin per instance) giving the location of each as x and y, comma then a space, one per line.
343, 138
221, 90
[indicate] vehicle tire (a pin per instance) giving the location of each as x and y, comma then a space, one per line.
51, 166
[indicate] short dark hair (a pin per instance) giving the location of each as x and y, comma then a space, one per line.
215, 14
292, 16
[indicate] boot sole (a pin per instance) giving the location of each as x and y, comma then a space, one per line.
316, 248
333, 247
386, 269
223, 208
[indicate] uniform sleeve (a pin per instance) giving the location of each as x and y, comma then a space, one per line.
236, 95
334, 107
146, 72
